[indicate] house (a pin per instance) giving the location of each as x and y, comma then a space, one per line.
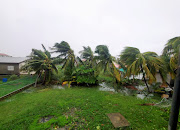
11, 65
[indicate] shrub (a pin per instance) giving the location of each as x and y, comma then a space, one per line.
58, 77
85, 75
13, 77
106, 78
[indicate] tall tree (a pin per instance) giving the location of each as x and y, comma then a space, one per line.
147, 63
66, 53
88, 55
42, 63
68, 58
105, 61
170, 55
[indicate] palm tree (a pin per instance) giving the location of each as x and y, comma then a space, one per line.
68, 58
66, 53
170, 54
147, 63
42, 63
105, 61
88, 55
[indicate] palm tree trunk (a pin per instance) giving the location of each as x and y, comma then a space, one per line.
37, 79
144, 78
44, 78
171, 84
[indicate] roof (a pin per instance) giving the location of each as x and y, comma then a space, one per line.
122, 70
2, 54
12, 59
116, 64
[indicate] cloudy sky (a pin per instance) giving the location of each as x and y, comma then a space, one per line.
145, 24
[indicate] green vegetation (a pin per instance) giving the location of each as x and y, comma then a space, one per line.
86, 108
105, 61
79, 108
170, 57
11, 86
13, 77
42, 63
85, 75
146, 63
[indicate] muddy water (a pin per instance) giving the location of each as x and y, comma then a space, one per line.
105, 87
140, 93
57, 87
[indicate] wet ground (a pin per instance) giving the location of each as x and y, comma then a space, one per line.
141, 93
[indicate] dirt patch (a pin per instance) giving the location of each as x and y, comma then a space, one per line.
45, 119
147, 104
71, 112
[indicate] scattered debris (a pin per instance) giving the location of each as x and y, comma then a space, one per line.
131, 87
165, 96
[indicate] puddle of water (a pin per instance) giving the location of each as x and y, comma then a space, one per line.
142, 96
126, 91
105, 87
140, 87
9, 100
140, 93
28, 91
164, 102
58, 87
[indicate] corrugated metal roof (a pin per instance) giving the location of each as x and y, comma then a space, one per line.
12, 59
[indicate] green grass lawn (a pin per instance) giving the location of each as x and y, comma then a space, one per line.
11, 86
81, 108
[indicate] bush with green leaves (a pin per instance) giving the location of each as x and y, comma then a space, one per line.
85, 75
106, 78
13, 77
58, 77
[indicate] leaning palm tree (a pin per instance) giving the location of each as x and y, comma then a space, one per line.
68, 59
66, 53
170, 54
105, 61
42, 63
88, 55
147, 63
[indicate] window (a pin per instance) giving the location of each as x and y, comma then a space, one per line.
10, 68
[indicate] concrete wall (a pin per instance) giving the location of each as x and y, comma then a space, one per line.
4, 68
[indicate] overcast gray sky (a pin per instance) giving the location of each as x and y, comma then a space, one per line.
145, 24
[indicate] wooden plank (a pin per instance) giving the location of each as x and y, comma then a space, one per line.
118, 120
16, 91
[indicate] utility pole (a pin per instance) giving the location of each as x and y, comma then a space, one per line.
175, 101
